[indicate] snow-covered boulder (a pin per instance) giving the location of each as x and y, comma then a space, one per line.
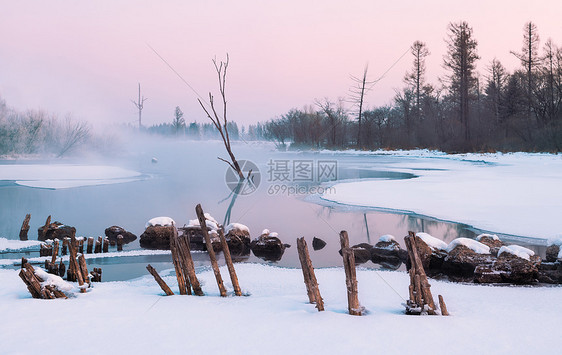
387, 253
554, 249
195, 235
464, 255
237, 237
268, 246
112, 232
431, 252
492, 241
157, 233
55, 230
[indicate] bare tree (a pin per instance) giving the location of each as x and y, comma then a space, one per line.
221, 122
179, 122
358, 91
139, 105
75, 133
335, 113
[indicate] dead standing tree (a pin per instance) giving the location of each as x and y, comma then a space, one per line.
221, 122
139, 105
360, 88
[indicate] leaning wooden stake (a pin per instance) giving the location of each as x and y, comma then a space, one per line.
353, 305
84, 269
182, 285
310, 281
187, 262
229, 264
46, 228
25, 227
214, 264
159, 280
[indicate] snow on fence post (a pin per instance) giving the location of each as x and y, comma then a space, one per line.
350, 276
105, 245
212, 256
25, 227
90, 247
97, 248
309, 277
229, 264
182, 285
159, 280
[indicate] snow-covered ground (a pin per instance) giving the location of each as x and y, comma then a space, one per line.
133, 317
516, 193
7, 245
60, 176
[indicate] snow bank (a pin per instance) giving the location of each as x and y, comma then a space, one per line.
491, 236
518, 251
62, 176
279, 318
476, 246
160, 221
516, 194
16, 245
239, 226
387, 238
432, 242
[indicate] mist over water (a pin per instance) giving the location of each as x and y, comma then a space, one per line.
178, 174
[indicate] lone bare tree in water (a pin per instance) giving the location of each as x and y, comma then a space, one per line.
221, 122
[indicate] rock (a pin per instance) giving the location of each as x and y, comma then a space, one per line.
552, 252
197, 240
485, 274
112, 232
431, 258
238, 240
462, 262
490, 240
388, 254
550, 272
514, 269
55, 230
318, 244
362, 252
156, 237
268, 246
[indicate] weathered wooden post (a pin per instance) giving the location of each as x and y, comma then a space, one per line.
105, 245
64, 249
25, 227
45, 228
214, 264
74, 263
187, 264
62, 268
180, 276
90, 246
443, 306
55, 251
308, 273
159, 280
229, 264
353, 305
119, 242
81, 245
83, 268
97, 249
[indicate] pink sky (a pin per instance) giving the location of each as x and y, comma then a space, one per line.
86, 58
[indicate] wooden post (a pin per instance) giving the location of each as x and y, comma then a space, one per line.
46, 227
55, 251
25, 227
309, 277
229, 264
97, 249
105, 245
83, 268
353, 305
74, 262
81, 245
119, 242
64, 249
443, 306
187, 262
62, 268
182, 285
159, 280
90, 246
420, 285
23, 262
214, 264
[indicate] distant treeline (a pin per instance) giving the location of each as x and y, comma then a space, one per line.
37, 132
466, 111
